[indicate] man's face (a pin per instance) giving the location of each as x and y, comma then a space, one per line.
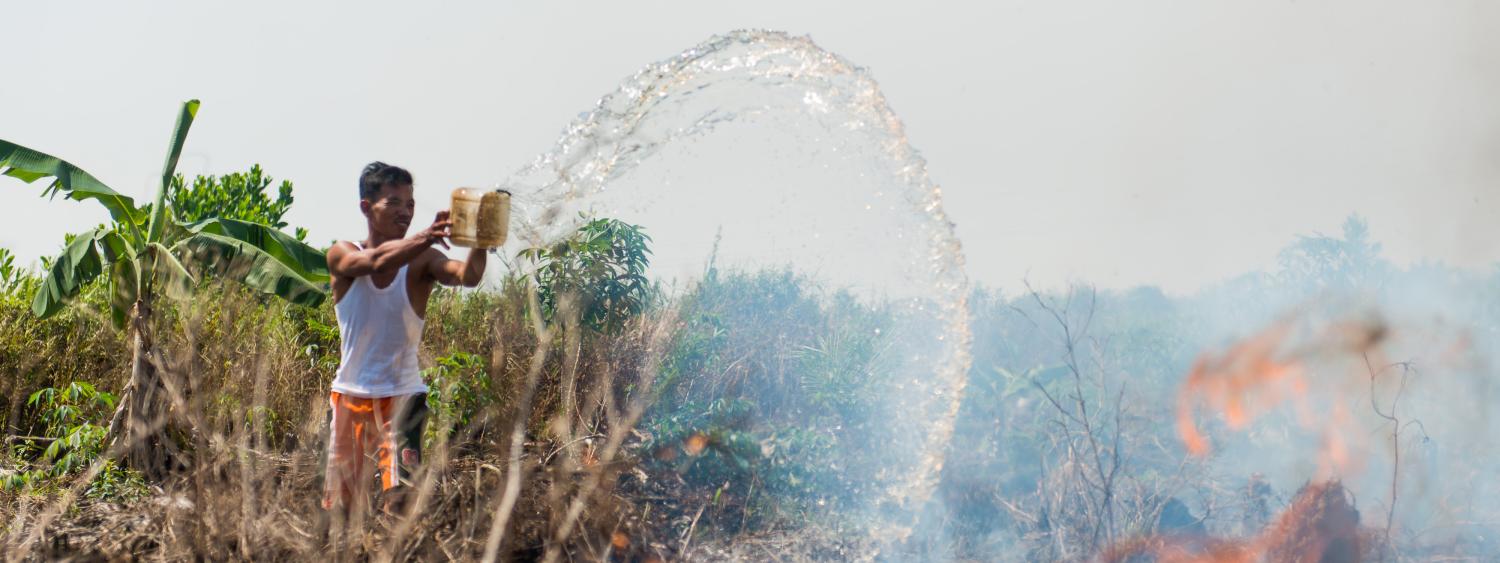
390, 211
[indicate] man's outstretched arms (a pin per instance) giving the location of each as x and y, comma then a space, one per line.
348, 261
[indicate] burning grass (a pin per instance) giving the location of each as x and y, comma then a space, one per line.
1321, 524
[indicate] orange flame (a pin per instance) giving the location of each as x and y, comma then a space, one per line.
1242, 384
695, 444
1320, 525
1249, 379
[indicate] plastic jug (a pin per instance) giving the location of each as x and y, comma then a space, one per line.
481, 218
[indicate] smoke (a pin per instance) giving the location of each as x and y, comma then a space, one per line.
1082, 415
1338, 366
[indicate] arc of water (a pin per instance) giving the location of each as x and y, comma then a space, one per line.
775, 72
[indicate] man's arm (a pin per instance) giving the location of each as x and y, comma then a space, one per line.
346, 261
467, 273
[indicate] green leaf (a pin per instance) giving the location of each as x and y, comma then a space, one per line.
169, 169
30, 165
253, 266
115, 247
124, 286
297, 256
78, 265
170, 276
122, 291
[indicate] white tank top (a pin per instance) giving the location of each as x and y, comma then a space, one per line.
379, 334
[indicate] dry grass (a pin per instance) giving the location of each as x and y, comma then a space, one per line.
539, 474
249, 396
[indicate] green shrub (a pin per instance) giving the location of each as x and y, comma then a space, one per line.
73, 441
241, 195
10, 275
602, 265
458, 389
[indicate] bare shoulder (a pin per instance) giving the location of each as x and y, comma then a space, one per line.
339, 249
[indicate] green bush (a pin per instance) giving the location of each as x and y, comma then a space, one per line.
68, 416
240, 195
458, 389
72, 439
10, 275
602, 265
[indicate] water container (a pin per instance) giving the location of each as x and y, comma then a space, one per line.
481, 218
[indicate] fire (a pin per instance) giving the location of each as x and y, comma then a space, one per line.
1246, 381
1320, 525
1269, 370
695, 444
1250, 379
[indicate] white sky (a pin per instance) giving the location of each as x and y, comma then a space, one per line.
1170, 143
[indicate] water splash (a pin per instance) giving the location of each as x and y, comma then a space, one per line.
771, 77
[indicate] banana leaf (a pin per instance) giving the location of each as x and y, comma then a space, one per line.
79, 264
30, 165
169, 168
122, 291
306, 261
168, 275
255, 267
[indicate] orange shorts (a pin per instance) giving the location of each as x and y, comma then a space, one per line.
367, 436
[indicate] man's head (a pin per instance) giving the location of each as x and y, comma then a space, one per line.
385, 197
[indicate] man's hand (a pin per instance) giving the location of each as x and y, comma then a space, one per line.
438, 232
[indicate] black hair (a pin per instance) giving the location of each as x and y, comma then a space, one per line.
379, 174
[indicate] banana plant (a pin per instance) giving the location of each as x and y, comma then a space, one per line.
145, 254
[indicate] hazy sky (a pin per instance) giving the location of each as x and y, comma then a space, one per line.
1172, 143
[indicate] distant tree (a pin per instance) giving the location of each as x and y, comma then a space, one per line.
241, 196
1341, 263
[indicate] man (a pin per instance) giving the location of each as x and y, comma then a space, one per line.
380, 290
